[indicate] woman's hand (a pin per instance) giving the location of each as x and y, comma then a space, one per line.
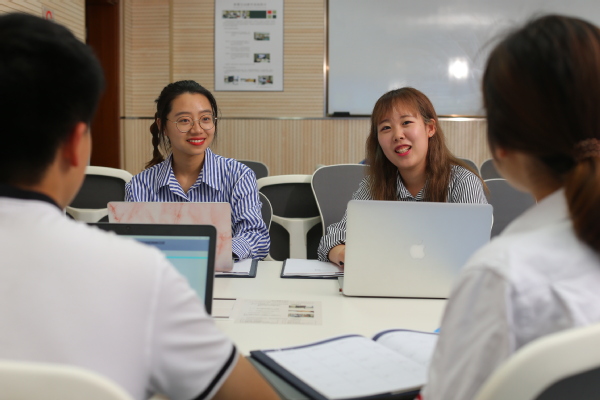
337, 255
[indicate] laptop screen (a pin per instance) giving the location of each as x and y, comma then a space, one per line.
189, 255
190, 248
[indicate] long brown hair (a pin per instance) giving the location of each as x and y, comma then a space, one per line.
383, 174
541, 90
163, 108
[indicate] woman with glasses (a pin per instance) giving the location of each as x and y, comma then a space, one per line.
185, 125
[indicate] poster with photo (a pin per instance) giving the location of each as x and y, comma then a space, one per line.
249, 45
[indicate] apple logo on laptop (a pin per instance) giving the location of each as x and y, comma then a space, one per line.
417, 251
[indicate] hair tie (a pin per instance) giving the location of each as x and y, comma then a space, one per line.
588, 148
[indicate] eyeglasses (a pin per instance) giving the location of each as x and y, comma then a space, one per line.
185, 124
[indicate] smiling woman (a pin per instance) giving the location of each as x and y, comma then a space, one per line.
185, 125
408, 161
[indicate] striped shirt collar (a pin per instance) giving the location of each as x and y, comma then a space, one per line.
166, 176
403, 192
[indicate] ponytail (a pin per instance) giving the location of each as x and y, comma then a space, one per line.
158, 139
582, 192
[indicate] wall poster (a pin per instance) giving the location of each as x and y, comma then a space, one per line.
249, 45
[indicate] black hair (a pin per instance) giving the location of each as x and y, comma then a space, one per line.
163, 108
541, 90
49, 81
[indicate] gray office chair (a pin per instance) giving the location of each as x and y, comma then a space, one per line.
563, 365
488, 170
260, 169
295, 230
101, 185
333, 187
32, 381
266, 209
508, 203
470, 163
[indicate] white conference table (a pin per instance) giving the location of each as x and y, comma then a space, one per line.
340, 314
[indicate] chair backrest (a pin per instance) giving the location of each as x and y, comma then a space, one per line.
260, 169
100, 186
470, 163
266, 209
508, 203
562, 365
27, 380
488, 170
333, 187
294, 231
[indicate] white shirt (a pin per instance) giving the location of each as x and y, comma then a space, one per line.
536, 278
76, 295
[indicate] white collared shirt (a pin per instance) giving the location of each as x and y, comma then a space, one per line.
536, 278
75, 295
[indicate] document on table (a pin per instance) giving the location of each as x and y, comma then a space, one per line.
299, 268
286, 312
353, 366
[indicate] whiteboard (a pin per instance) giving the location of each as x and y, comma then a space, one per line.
437, 46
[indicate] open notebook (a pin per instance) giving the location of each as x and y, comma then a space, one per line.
190, 248
353, 366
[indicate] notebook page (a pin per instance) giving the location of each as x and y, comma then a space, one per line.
417, 346
351, 366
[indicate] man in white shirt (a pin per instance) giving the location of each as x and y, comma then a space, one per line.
70, 294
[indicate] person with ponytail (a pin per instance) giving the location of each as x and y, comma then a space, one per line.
184, 169
408, 161
541, 275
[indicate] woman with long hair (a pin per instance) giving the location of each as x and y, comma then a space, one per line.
408, 161
185, 125
541, 275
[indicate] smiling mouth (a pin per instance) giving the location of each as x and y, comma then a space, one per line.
403, 150
196, 141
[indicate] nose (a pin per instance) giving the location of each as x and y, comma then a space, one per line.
196, 127
398, 134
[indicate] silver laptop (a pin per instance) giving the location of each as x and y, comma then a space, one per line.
410, 249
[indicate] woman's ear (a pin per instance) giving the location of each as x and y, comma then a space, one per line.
431, 128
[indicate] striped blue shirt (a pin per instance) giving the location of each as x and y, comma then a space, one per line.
464, 187
221, 180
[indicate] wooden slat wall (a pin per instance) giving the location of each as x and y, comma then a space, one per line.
290, 146
68, 13
174, 39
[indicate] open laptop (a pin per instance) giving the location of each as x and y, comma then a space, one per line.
217, 214
410, 249
190, 248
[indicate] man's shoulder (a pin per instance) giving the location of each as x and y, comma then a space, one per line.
98, 246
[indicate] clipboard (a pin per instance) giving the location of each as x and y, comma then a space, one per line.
251, 273
309, 263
